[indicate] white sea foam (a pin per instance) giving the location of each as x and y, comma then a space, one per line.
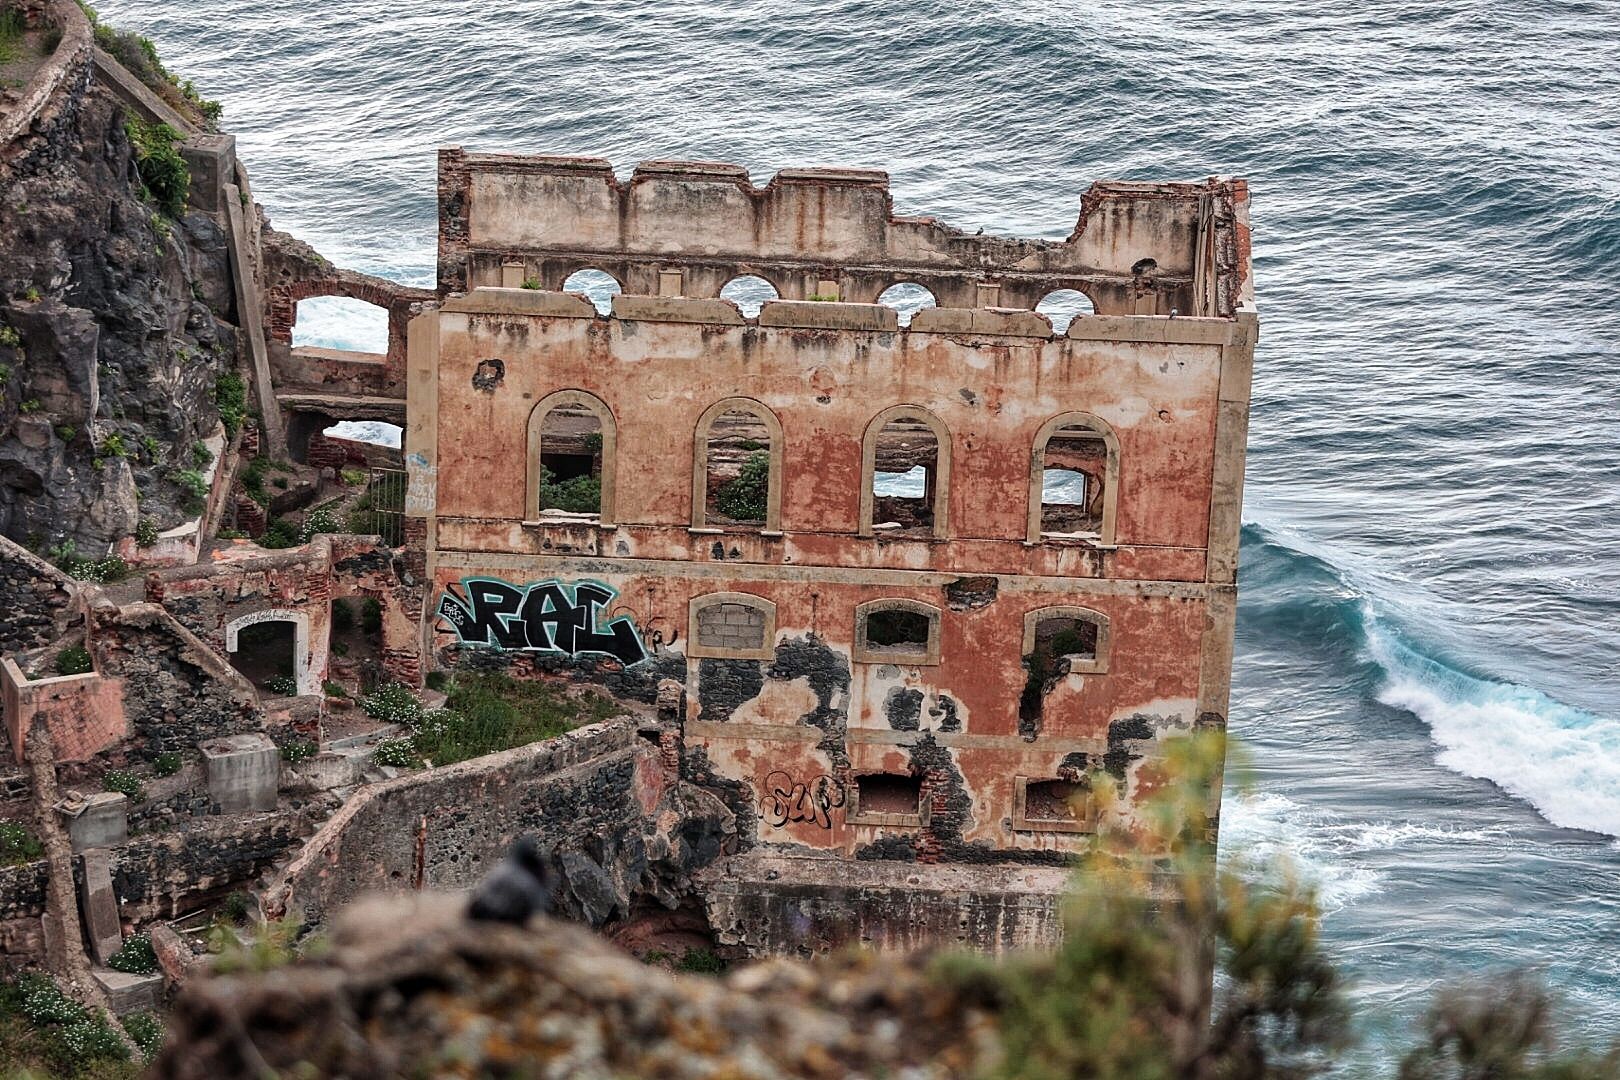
1264, 836
338, 322
1563, 761
370, 431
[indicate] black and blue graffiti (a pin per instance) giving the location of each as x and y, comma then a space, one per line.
547, 616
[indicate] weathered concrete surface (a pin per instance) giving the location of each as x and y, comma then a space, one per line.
616, 826
98, 905
760, 904
244, 772
411, 988
99, 821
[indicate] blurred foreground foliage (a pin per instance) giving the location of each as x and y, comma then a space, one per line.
1127, 995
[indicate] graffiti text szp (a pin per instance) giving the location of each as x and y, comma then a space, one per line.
786, 801
548, 616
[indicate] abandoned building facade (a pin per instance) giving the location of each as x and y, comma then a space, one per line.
915, 582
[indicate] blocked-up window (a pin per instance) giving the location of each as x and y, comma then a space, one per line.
1053, 805
897, 632
733, 625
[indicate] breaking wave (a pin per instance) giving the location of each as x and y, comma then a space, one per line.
1562, 760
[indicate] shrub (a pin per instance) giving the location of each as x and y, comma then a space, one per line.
370, 615
89, 1040
106, 571
322, 519
151, 447
9, 336
438, 680
125, 783
531, 283
393, 704
167, 763
162, 169
342, 617
67, 433
201, 456
352, 477
280, 533
744, 498
73, 661
334, 689
281, 686
134, 956
18, 845
146, 532
113, 446
579, 495
295, 750
230, 398
489, 712
146, 1031
43, 1002
700, 962
29, 407
398, 753
193, 487
236, 907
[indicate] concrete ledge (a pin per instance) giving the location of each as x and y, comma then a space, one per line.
130, 993
486, 300
825, 315
1174, 330
134, 93
1008, 322
679, 309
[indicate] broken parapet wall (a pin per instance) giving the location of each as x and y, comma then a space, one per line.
34, 597
617, 826
1137, 248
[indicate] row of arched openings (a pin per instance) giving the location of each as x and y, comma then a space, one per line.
738, 456
750, 292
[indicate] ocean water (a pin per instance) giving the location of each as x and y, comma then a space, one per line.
1429, 634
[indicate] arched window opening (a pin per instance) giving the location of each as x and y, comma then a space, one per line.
733, 626
738, 457
896, 632
341, 323
267, 654
1074, 485
907, 298
1063, 306
1058, 642
907, 458
749, 292
570, 445
599, 287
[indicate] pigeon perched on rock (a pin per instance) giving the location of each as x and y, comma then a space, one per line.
516, 889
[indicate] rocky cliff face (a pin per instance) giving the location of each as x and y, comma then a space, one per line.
115, 323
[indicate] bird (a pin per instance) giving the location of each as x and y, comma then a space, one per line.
518, 887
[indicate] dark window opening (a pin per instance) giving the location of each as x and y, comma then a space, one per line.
571, 460
1059, 640
905, 467
897, 629
357, 643
1074, 470
1056, 801
888, 793
265, 655
738, 470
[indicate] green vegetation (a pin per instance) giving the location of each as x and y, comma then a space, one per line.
399, 753
201, 456
73, 661
151, 448
333, 689
271, 948
147, 1032
18, 845
113, 446
125, 783
11, 36
140, 56
9, 336
193, 487
230, 398
352, 477
107, 570
162, 169
393, 703
438, 680
700, 962
29, 407
744, 498
134, 956
46, 1034
295, 750
146, 532
236, 908
531, 283
370, 615
281, 686
280, 533
579, 495
167, 763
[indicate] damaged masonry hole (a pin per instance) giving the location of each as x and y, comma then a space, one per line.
490, 374
1059, 640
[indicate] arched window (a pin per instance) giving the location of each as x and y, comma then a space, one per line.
731, 625
906, 467
1063, 306
1074, 480
908, 298
749, 292
571, 445
737, 467
271, 648
896, 631
342, 323
599, 287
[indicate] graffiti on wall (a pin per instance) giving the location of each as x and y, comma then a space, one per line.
786, 801
547, 616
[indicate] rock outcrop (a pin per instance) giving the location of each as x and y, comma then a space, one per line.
411, 988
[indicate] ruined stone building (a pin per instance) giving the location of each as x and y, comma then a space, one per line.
888, 537
914, 581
